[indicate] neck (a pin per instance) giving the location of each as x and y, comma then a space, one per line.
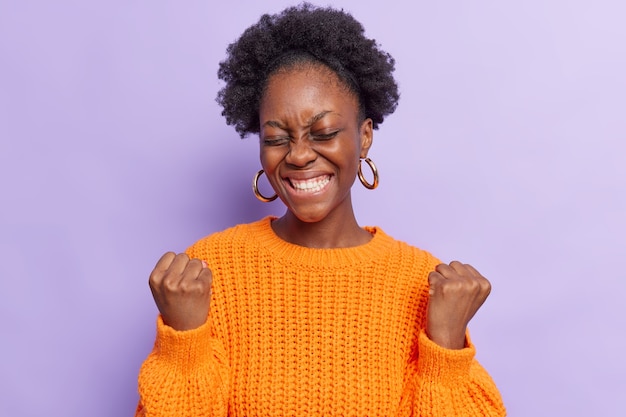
334, 231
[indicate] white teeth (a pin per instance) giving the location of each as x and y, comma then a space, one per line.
312, 185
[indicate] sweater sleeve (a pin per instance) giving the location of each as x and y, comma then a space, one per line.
446, 382
186, 374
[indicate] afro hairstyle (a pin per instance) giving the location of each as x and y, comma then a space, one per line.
305, 34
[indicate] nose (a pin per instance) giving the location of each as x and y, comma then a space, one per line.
300, 153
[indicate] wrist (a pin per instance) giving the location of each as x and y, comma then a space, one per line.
187, 348
440, 365
448, 340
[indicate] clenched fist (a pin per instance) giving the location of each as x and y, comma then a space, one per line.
182, 290
456, 292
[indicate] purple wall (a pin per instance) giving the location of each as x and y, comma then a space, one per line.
507, 151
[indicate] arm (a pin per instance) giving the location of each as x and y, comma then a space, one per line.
449, 382
445, 379
187, 373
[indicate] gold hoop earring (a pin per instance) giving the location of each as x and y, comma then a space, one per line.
374, 171
257, 193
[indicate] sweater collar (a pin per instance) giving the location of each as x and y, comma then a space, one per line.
302, 256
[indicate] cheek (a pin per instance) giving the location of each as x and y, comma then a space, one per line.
347, 154
263, 157
269, 160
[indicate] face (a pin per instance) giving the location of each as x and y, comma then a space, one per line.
311, 140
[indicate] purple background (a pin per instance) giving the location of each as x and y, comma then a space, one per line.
507, 151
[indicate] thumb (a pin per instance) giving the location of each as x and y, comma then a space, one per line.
434, 283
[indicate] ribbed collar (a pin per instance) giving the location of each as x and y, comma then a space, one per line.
301, 256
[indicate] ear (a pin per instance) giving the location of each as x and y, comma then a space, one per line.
366, 132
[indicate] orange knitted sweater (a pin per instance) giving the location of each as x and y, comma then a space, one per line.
295, 331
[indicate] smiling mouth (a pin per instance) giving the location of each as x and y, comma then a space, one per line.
311, 185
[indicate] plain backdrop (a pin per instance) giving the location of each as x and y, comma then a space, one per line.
507, 151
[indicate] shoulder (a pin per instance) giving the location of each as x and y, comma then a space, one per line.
404, 252
223, 241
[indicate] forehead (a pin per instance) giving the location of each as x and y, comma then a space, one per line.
313, 87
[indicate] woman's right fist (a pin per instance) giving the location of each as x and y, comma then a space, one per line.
182, 290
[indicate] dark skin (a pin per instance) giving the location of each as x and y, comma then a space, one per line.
311, 140
311, 136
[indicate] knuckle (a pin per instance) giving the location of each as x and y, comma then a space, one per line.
153, 284
195, 262
170, 284
460, 285
207, 275
185, 286
475, 286
192, 287
155, 277
449, 286
167, 257
183, 256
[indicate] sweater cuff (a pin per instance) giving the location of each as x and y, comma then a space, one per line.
188, 349
448, 366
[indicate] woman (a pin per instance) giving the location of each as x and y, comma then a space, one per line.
309, 313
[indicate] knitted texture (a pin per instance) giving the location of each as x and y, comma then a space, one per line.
296, 331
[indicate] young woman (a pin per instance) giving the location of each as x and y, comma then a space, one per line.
310, 313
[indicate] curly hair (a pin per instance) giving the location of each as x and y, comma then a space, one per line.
305, 34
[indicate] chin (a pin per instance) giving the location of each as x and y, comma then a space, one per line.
309, 216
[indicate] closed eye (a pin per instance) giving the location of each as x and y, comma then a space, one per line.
275, 141
324, 136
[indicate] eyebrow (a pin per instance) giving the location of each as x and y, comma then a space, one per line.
311, 121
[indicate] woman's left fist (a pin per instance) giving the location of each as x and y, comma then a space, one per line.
456, 293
